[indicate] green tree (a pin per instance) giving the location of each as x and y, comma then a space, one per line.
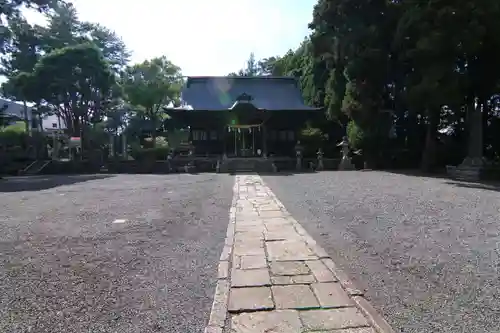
270, 66
111, 45
65, 28
74, 81
149, 87
27, 44
252, 68
10, 10
23, 52
410, 66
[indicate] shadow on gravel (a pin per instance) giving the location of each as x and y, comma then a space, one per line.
489, 186
480, 185
418, 173
38, 183
279, 173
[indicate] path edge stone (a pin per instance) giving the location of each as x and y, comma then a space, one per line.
219, 311
373, 316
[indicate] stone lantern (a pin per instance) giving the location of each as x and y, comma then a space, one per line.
298, 155
190, 148
345, 163
320, 154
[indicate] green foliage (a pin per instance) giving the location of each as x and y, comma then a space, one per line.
252, 68
355, 135
374, 64
35, 53
151, 86
17, 127
150, 154
312, 138
74, 80
10, 11
176, 138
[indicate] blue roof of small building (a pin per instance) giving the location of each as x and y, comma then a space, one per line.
13, 109
220, 93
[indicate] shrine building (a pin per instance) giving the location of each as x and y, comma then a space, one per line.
243, 117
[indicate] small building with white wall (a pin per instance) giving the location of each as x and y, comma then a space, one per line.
17, 109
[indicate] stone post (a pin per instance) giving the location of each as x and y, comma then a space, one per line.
124, 147
191, 149
111, 145
345, 163
298, 156
471, 167
320, 160
54, 146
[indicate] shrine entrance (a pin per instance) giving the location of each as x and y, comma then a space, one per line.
245, 141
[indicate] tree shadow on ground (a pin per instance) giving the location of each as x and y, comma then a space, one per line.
481, 185
38, 183
489, 185
419, 173
279, 173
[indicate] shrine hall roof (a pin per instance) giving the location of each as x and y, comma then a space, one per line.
222, 92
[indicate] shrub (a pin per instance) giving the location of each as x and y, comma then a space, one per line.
312, 139
155, 154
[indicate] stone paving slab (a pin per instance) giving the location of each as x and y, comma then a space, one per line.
279, 278
252, 262
294, 297
245, 299
289, 250
280, 321
250, 277
332, 319
320, 271
289, 268
331, 295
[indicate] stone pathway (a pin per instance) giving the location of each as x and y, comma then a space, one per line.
273, 277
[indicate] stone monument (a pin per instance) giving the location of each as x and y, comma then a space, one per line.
320, 160
298, 156
474, 162
345, 163
190, 148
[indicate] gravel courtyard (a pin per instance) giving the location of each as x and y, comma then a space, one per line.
65, 266
139, 253
426, 249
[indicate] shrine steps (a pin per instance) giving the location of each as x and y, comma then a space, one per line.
246, 165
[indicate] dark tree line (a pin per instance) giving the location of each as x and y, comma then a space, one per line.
404, 79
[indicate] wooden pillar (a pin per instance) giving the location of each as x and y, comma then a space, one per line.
253, 141
235, 132
224, 139
264, 140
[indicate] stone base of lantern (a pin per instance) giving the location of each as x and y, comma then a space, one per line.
469, 170
346, 164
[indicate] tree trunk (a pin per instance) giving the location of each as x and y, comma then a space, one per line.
26, 120
429, 153
40, 122
153, 131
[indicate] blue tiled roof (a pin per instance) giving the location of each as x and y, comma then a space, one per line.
219, 93
13, 108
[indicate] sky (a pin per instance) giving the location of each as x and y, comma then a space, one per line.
203, 37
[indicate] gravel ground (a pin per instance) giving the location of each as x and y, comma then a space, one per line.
426, 249
66, 267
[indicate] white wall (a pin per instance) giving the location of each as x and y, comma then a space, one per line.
17, 109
